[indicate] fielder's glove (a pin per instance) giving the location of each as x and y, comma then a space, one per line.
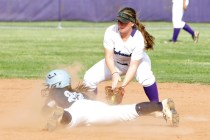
115, 96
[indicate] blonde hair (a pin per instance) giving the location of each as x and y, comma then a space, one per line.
148, 38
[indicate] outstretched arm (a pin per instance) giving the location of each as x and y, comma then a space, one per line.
109, 60
110, 64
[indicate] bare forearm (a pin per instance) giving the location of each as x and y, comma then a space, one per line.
110, 65
129, 76
184, 5
109, 60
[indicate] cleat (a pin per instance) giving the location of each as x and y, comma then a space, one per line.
169, 112
52, 122
171, 41
195, 37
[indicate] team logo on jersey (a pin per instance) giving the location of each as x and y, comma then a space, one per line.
122, 54
73, 96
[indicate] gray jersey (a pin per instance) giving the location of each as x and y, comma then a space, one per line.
63, 98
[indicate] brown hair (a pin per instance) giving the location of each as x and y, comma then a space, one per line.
81, 88
148, 38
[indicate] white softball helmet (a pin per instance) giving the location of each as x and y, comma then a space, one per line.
58, 79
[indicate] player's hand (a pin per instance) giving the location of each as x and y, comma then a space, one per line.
115, 78
123, 90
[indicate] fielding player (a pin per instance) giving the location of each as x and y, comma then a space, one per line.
125, 45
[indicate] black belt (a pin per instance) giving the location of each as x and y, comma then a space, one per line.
125, 64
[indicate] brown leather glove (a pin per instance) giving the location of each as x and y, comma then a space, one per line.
115, 96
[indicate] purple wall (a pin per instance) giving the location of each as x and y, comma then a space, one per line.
97, 10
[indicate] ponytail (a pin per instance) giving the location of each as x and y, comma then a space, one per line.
148, 38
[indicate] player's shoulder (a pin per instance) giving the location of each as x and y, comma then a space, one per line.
136, 33
137, 37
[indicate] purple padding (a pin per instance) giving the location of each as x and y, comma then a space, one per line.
97, 10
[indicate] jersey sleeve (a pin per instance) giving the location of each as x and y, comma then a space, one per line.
108, 41
138, 52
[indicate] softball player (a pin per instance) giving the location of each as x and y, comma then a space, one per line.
178, 8
73, 108
124, 46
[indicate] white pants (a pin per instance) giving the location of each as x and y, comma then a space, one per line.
100, 72
88, 112
177, 13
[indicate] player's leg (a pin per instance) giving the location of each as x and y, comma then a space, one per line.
167, 106
59, 116
66, 118
188, 29
146, 108
145, 77
88, 112
53, 120
100, 72
176, 32
178, 24
194, 34
96, 74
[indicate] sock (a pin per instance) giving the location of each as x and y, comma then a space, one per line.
175, 34
188, 29
152, 92
148, 107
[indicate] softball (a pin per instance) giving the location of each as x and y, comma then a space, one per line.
113, 99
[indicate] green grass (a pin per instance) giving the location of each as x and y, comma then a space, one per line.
183, 61
30, 50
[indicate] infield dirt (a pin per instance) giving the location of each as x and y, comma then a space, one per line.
20, 119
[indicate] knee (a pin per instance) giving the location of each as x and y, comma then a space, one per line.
89, 81
147, 81
66, 118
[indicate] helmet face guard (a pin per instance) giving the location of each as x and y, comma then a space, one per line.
57, 79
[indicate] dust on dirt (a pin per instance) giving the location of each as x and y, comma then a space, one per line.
21, 102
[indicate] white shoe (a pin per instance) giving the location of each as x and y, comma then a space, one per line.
52, 122
169, 112
196, 36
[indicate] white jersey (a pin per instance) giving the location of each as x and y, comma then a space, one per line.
124, 51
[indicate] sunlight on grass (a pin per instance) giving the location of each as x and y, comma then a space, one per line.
31, 52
